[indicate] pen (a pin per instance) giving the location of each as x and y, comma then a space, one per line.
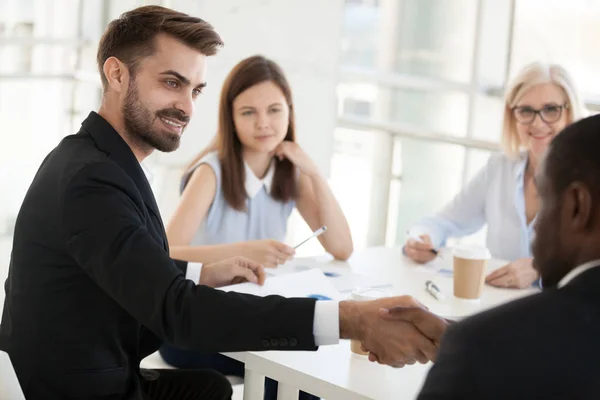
418, 239
314, 234
433, 290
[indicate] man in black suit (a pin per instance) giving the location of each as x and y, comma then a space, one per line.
91, 287
543, 346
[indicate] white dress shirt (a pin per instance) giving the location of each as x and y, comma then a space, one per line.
494, 197
326, 321
578, 271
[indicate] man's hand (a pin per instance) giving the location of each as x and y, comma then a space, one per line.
430, 325
231, 271
391, 336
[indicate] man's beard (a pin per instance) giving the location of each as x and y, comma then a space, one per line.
139, 122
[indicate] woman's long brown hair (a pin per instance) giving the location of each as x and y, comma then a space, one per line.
247, 73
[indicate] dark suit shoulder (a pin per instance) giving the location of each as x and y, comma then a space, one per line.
72, 155
536, 310
511, 331
77, 158
507, 351
75, 152
490, 319
96, 171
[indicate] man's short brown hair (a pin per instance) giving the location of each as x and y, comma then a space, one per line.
131, 37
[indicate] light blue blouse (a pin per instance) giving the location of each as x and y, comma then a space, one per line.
265, 217
496, 198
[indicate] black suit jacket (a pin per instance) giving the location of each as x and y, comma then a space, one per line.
91, 289
545, 346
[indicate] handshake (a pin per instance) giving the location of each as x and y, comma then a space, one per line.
396, 331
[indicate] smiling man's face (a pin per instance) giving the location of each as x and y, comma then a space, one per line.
159, 101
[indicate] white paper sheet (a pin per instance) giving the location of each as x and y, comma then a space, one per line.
298, 284
338, 273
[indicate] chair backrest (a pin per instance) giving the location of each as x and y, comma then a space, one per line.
10, 389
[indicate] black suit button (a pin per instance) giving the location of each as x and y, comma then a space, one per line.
274, 342
283, 342
293, 342
266, 344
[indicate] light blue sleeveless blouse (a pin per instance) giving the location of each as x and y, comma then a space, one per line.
265, 218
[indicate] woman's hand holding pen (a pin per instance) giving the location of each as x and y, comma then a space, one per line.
420, 251
269, 253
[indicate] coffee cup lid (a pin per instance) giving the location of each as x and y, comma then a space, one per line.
471, 252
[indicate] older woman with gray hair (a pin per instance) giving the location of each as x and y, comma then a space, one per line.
539, 103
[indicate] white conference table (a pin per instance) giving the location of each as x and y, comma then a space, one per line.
333, 372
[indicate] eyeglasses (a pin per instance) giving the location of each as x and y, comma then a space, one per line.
550, 113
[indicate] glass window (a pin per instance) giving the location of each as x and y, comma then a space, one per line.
421, 191
32, 128
360, 34
435, 38
351, 178
357, 98
440, 112
424, 80
430, 176
40, 37
488, 113
564, 32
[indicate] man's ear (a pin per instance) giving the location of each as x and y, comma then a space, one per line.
579, 203
116, 74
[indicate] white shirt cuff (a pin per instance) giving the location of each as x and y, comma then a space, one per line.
193, 272
326, 324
